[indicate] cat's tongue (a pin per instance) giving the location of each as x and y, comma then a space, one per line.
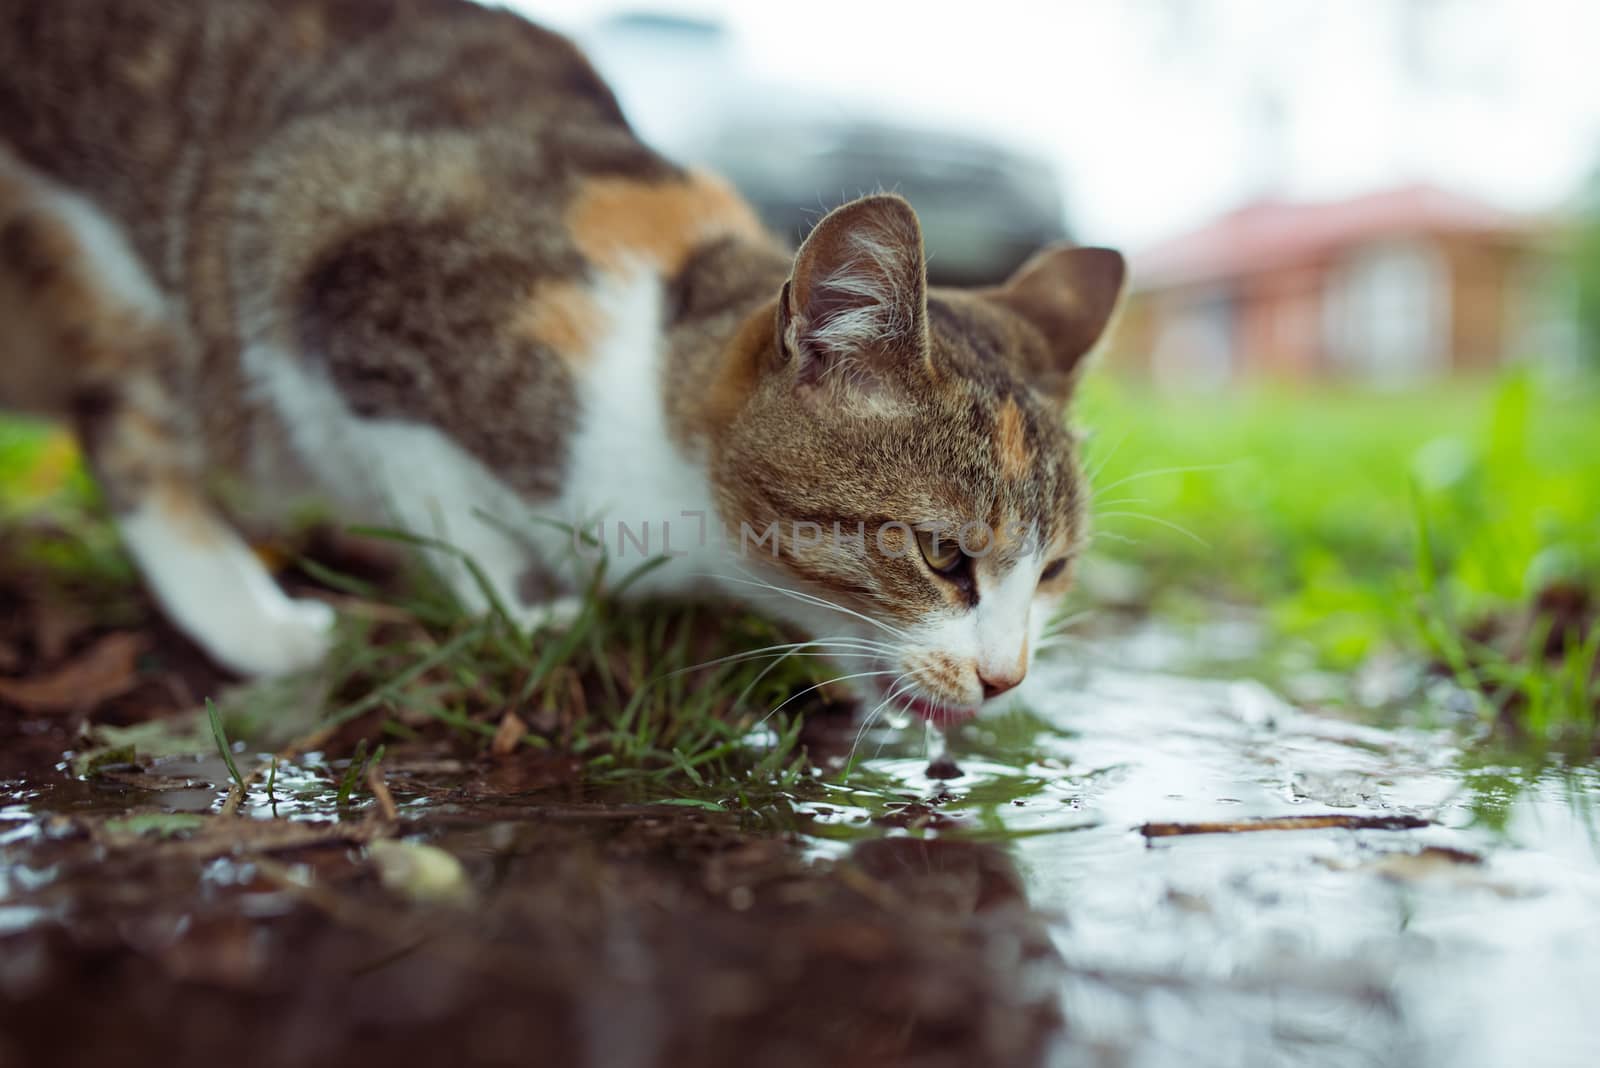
939, 715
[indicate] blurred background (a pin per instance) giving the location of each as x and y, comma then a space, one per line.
1354, 396
1353, 391
1375, 190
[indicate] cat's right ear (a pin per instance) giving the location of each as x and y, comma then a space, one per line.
856, 303
1070, 295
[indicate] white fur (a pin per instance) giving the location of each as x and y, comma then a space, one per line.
402, 474
105, 250
622, 466
216, 590
873, 282
995, 638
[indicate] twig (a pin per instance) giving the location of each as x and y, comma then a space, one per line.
380, 791
1286, 823
231, 803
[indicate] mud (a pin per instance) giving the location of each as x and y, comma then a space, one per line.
589, 935
1406, 898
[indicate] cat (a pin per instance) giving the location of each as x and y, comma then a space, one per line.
407, 258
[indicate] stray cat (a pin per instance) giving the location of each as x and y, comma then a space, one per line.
406, 257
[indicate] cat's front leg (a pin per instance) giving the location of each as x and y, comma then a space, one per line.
85, 332
200, 570
217, 590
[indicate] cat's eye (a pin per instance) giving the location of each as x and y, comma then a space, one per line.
1053, 569
941, 552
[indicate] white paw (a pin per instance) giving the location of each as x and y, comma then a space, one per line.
291, 637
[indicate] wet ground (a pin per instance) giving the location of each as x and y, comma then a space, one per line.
1112, 880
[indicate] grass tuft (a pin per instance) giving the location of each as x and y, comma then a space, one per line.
221, 737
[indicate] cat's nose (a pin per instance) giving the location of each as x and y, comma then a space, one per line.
998, 683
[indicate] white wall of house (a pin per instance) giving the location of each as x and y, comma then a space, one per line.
1386, 318
1196, 345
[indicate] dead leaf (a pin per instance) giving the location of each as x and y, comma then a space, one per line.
508, 735
422, 873
56, 623
107, 669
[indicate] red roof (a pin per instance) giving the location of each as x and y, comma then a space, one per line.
1270, 235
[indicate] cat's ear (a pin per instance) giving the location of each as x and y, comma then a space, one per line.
1069, 295
856, 302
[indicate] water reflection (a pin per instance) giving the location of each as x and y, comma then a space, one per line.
1010, 915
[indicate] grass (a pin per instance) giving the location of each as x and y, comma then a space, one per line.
1364, 522
1355, 522
622, 688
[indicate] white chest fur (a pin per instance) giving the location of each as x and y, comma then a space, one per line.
625, 482
628, 485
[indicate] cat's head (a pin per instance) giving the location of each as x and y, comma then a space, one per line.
901, 462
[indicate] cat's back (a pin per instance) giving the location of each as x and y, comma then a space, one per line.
139, 102
435, 207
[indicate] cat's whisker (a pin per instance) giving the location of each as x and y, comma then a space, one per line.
825, 646
1056, 626
1169, 524
821, 602
825, 682
764, 672
895, 691
1104, 460
1138, 475
1121, 538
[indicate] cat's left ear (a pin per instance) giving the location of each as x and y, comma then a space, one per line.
856, 304
1069, 295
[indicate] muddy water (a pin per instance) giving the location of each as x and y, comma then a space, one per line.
1013, 915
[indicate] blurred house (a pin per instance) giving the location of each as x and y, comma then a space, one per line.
1388, 288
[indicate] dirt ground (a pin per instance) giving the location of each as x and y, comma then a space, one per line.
139, 926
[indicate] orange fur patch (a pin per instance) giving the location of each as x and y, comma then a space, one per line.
618, 221
562, 317
189, 514
739, 373
1015, 456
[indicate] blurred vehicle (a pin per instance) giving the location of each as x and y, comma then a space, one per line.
984, 207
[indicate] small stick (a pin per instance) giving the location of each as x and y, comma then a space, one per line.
230, 805
1286, 823
380, 791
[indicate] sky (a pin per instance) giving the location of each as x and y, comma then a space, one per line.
1159, 114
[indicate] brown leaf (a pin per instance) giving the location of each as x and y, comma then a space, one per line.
56, 624
107, 669
508, 735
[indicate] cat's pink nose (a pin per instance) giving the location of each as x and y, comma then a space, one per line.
996, 684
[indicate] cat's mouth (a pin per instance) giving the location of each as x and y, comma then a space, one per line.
938, 714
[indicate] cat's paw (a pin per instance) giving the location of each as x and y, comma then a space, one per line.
293, 636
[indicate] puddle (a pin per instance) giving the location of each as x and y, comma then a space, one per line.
1013, 915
